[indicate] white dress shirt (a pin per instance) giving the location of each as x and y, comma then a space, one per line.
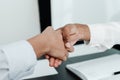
104, 36
16, 60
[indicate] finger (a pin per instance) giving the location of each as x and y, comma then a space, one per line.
57, 62
74, 38
60, 62
69, 47
51, 61
66, 33
47, 56
67, 55
64, 58
73, 42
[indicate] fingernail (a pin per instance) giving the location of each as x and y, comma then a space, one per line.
68, 45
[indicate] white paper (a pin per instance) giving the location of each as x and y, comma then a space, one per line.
113, 77
97, 69
42, 69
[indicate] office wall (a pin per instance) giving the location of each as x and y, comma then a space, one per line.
19, 19
84, 11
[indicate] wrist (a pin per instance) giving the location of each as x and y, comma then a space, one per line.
39, 45
84, 32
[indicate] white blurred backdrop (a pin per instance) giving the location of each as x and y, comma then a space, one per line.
19, 19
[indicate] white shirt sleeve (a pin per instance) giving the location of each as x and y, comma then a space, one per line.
16, 60
104, 36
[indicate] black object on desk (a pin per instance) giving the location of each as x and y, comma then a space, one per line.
64, 74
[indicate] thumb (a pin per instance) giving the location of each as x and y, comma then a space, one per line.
69, 47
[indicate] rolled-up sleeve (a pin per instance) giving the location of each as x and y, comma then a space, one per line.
20, 58
104, 36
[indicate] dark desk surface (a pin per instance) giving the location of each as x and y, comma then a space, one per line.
64, 74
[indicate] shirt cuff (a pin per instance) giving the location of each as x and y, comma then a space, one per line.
98, 37
21, 58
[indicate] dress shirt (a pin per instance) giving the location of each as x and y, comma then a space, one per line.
16, 60
104, 36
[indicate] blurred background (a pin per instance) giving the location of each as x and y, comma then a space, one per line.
22, 19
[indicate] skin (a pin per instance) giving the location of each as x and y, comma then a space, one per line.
71, 34
45, 44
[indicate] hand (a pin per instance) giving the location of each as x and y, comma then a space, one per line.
74, 32
55, 62
50, 42
71, 34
